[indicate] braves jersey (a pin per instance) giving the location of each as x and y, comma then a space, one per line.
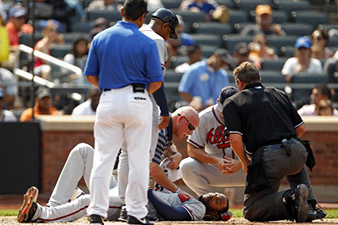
161, 46
195, 208
211, 134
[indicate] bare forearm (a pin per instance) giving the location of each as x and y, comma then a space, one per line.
238, 147
186, 96
300, 130
201, 155
94, 80
161, 178
154, 86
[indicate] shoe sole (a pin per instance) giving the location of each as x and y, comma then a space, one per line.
30, 197
303, 207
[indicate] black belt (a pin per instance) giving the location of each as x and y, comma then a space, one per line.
278, 146
137, 87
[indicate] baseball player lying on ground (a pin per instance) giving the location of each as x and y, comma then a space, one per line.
165, 206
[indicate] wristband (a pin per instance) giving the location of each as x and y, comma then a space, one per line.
178, 190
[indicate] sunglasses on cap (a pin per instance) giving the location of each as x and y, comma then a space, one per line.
190, 126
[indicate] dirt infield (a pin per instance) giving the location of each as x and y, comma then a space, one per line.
7, 220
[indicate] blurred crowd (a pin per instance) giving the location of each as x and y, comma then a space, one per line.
54, 21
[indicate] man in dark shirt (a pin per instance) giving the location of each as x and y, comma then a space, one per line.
264, 120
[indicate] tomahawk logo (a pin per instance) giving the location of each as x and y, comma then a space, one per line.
218, 137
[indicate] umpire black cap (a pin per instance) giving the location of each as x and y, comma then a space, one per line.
167, 16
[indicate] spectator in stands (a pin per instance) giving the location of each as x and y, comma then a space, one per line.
50, 37
9, 87
43, 106
101, 23
17, 24
259, 50
5, 115
331, 68
203, 6
178, 46
263, 23
17, 15
302, 62
319, 92
194, 53
88, 107
184, 6
77, 57
324, 108
104, 5
3, 13
202, 83
320, 39
241, 54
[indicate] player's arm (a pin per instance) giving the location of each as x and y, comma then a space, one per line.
238, 147
153, 86
94, 80
186, 96
167, 211
300, 130
161, 100
174, 156
161, 178
200, 155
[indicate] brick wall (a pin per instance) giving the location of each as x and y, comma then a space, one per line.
58, 139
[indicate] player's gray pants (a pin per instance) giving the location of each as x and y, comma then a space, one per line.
76, 209
200, 177
79, 163
267, 205
123, 169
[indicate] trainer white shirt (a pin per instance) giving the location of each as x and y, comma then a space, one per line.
84, 109
292, 63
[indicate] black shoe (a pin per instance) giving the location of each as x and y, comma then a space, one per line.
95, 219
123, 214
134, 220
301, 207
311, 213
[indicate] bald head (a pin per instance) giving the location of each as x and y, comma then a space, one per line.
185, 121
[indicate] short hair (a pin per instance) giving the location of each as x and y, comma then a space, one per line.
324, 33
324, 90
192, 48
247, 73
133, 9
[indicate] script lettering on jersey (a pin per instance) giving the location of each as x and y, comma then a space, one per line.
218, 137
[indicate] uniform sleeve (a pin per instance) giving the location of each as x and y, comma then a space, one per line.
295, 117
198, 137
161, 100
153, 65
232, 118
162, 52
92, 65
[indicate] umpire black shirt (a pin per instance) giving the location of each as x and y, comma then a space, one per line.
262, 115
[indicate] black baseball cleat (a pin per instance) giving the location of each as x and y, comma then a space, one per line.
134, 220
95, 219
300, 203
29, 206
123, 214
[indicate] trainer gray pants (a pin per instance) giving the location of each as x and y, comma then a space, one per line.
267, 205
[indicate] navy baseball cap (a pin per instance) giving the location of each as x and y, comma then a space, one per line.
225, 93
304, 42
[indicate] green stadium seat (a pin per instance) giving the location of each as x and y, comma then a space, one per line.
298, 29
273, 64
310, 17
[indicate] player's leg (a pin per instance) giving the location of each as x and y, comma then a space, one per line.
138, 136
108, 132
79, 163
154, 130
123, 171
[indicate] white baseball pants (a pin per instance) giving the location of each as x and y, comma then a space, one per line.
121, 115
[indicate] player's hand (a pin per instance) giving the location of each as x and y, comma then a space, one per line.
175, 161
232, 165
221, 165
164, 122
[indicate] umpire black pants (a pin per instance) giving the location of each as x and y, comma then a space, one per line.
267, 204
